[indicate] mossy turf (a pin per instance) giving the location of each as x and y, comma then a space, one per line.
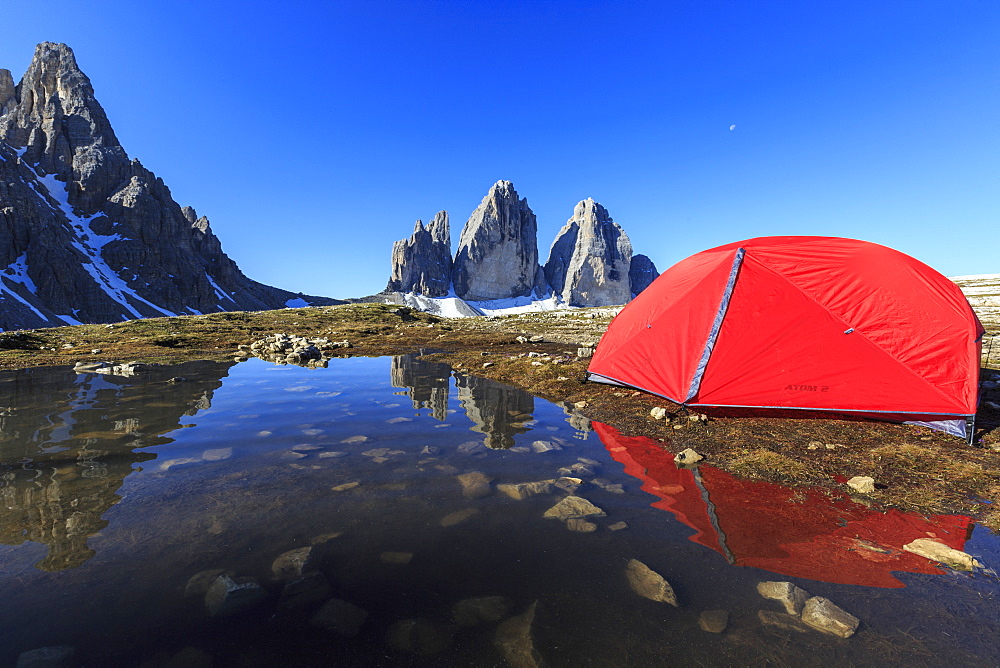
914, 468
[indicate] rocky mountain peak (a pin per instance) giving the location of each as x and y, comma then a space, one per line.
498, 250
422, 264
590, 258
88, 235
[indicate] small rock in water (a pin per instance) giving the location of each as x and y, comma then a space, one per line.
340, 617
573, 507
58, 656
577, 468
431, 450
458, 517
475, 484
617, 526
346, 486
821, 614
376, 452
402, 558
580, 525
568, 484
783, 621
791, 596
190, 657
714, 621
397, 420
687, 456
306, 448
474, 611
325, 537
228, 596
649, 584
355, 439
544, 446
935, 551
522, 490
513, 639
328, 455
199, 583
291, 564
862, 484
305, 590
419, 636
170, 463
217, 454
608, 486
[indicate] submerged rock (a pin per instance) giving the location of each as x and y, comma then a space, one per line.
304, 591
341, 617
783, 621
473, 611
58, 656
941, 553
522, 490
228, 596
580, 525
475, 484
821, 614
419, 636
791, 596
199, 583
649, 584
291, 564
573, 507
459, 516
714, 621
514, 640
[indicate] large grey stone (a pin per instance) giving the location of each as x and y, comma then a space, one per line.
936, 551
789, 595
573, 507
291, 564
228, 596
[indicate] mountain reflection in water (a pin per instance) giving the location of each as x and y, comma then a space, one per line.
68, 440
795, 532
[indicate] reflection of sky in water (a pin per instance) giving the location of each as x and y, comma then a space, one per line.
116, 490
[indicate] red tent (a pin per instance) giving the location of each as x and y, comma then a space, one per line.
800, 532
802, 323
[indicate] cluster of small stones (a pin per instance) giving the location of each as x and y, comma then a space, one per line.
126, 369
290, 349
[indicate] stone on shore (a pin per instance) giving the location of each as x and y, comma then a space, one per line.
649, 584
862, 484
687, 456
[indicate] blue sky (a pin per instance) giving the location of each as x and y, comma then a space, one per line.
313, 134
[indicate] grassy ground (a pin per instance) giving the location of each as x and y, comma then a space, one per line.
914, 469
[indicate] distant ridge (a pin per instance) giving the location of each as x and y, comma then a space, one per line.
88, 235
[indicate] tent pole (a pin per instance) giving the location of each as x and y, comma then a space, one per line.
970, 428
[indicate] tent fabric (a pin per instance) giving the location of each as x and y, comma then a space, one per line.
804, 323
796, 532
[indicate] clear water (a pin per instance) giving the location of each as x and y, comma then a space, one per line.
115, 491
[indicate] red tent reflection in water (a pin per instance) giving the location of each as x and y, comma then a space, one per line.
795, 532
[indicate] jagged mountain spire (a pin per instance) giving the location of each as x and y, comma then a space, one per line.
498, 251
589, 260
422, 264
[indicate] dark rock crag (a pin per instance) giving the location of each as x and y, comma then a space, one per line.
641, 273
88, 234
422, 264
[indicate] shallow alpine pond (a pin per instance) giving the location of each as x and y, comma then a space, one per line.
389, 511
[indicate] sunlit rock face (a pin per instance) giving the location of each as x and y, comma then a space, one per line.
589, 261
498, 251
88, 234
422, 264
